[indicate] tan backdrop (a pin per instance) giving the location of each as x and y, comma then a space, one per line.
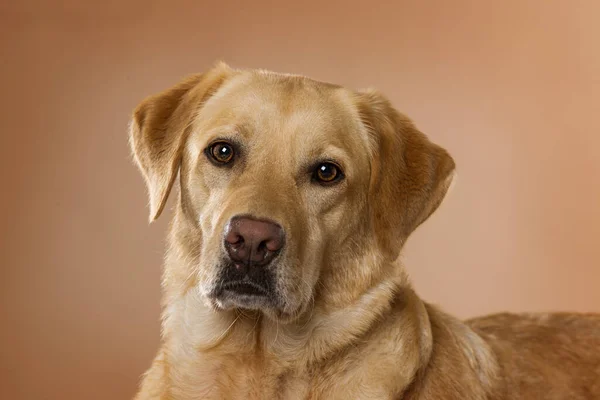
511, 89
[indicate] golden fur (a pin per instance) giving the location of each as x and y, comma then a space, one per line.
348, 324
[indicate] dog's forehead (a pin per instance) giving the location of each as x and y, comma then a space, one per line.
277, 104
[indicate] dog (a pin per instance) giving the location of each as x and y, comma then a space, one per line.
282, 278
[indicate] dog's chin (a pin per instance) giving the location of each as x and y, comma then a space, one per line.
266, 304
243, 298
231, 301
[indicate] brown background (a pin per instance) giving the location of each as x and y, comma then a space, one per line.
512, 90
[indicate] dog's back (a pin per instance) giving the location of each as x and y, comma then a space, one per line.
545, 356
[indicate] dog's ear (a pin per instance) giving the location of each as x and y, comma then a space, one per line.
159, 128
410, 175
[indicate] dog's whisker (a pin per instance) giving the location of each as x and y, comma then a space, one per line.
222, 336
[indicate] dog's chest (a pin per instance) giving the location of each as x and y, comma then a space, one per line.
235, 377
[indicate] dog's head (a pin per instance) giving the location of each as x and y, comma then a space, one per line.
283, 181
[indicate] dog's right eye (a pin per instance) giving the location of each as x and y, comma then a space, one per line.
220, 153
327, 173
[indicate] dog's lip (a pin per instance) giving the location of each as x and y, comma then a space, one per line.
246, 288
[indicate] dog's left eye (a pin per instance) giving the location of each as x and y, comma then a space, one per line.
327, 173
220, 152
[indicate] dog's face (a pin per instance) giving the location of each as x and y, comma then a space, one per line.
273, 167
281, 179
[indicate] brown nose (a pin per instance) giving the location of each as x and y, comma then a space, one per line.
252, 241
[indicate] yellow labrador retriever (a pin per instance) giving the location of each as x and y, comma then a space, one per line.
282, 278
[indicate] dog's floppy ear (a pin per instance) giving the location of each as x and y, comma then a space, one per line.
159, 127
410, 175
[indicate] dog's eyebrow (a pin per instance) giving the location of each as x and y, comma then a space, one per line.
226, 130
334, 151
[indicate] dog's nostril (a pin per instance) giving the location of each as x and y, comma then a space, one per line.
272, 245
262, 247
234, 238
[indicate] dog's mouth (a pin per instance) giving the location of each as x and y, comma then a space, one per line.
253, 291
246, 296
245, 288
